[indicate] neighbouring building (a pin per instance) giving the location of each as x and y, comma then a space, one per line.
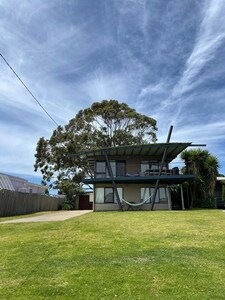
218, 192
14, 183
129, 177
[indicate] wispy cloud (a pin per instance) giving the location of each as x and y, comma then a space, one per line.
163, 58
211, 35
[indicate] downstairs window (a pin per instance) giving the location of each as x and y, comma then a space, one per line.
107, 195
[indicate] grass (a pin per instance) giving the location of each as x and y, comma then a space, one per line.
129, 255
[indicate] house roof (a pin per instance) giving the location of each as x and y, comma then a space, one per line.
5, 182
220, 178
157, 149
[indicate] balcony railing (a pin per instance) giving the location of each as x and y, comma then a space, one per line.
173, 171
155, 172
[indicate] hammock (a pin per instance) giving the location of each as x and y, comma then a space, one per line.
137, 204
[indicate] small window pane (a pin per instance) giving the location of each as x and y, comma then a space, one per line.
162, 192
113, 167
109, 197
120, 168
157, 194
100, 167
154, 166
145, 194
120, 192
144, 166
99, 195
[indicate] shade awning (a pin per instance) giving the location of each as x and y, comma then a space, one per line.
157, 149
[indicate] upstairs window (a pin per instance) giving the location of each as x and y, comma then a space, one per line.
152, 166
100, 169
118, 168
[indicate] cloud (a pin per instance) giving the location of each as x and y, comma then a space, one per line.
209, 38
162, 58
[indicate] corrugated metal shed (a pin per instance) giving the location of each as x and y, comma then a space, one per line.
5, 182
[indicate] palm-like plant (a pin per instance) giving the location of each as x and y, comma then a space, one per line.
205, 166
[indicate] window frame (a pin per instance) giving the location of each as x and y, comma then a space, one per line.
96, 169
114, 166
158, 194
103, 194
113, 193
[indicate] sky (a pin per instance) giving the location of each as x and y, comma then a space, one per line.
165, 58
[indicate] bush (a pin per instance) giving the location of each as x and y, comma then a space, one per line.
67, 206
209, 203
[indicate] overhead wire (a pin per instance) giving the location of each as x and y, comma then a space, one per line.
42, 107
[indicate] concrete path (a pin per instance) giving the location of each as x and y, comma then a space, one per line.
51, 216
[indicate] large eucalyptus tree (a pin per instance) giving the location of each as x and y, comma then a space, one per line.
103, 124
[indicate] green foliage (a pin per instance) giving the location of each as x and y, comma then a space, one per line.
104, 124
205, 166
71, 190
67, 206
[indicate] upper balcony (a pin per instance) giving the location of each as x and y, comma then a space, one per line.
128, 168
136, 163
127, 171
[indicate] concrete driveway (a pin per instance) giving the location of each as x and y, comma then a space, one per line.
51, 216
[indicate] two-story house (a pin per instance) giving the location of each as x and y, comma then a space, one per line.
129, 174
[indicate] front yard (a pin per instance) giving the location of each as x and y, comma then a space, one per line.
114, 255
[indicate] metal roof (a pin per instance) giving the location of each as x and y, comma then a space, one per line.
157, 149
5, 182
220, 178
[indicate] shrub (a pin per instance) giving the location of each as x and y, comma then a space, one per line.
67, 206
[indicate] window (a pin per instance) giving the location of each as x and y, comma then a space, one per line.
161, 195
100, 169
144, 166
118, 168
107, 195
145, 194
99, 195
157, 198
149, 167
113, 167
152, 167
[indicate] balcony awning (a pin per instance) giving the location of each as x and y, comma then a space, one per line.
157, 150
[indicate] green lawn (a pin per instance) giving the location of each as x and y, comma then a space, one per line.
129, 255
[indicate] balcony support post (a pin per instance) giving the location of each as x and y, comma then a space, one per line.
108, 166
161, 167
182, 196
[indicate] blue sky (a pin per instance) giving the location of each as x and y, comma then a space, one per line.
164, 58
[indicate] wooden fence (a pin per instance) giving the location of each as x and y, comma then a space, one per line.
17, 203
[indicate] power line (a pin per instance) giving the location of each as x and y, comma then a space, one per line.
29, 91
